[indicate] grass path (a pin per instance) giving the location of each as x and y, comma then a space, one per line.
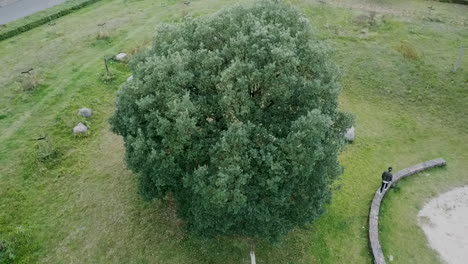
85, 61
407, 111
87, 57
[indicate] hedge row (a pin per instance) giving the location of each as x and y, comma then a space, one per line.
463, 2
25, 24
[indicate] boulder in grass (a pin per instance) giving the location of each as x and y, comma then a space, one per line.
80, 129
85, 112
121, 56
130, 78
350, 134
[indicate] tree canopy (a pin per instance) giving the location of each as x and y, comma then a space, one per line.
235, 116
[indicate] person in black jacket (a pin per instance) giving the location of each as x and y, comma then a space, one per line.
386, 179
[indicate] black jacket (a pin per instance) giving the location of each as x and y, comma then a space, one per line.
387, 176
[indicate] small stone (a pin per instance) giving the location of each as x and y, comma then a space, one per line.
390, 258
80, 129
85, 112
121, 56
350, 134
130, 78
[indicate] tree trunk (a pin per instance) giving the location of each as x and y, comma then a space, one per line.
105, 63
252, 252
252, 257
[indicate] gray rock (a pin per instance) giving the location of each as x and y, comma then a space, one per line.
350, 134
130, 78
121, 56
85, 112
80, 129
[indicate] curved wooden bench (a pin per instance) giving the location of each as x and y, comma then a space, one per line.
377, 252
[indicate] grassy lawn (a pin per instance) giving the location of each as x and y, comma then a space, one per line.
82, 206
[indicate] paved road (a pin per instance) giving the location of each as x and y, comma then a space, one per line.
11, 10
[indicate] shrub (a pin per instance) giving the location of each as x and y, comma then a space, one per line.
103, 34
408, 51
107, 77
24, 24
369, 20
463, 2
28, 82
17, 243
7, 253
235, 115
45, 148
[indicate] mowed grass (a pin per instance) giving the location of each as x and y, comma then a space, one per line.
83, 207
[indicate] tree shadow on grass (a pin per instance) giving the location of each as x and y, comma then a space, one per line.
183, 247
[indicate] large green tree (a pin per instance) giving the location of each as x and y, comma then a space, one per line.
235, 115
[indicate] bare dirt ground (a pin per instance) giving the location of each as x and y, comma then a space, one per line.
445, 222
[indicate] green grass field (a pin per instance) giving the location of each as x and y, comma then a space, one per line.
82, 205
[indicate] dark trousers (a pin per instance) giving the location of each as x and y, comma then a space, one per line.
384, 186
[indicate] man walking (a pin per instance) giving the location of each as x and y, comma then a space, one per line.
386, 179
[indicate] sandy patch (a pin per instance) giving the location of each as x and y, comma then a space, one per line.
445, 222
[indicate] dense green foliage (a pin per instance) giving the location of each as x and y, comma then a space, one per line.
82, 206
17, 27
236, 116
